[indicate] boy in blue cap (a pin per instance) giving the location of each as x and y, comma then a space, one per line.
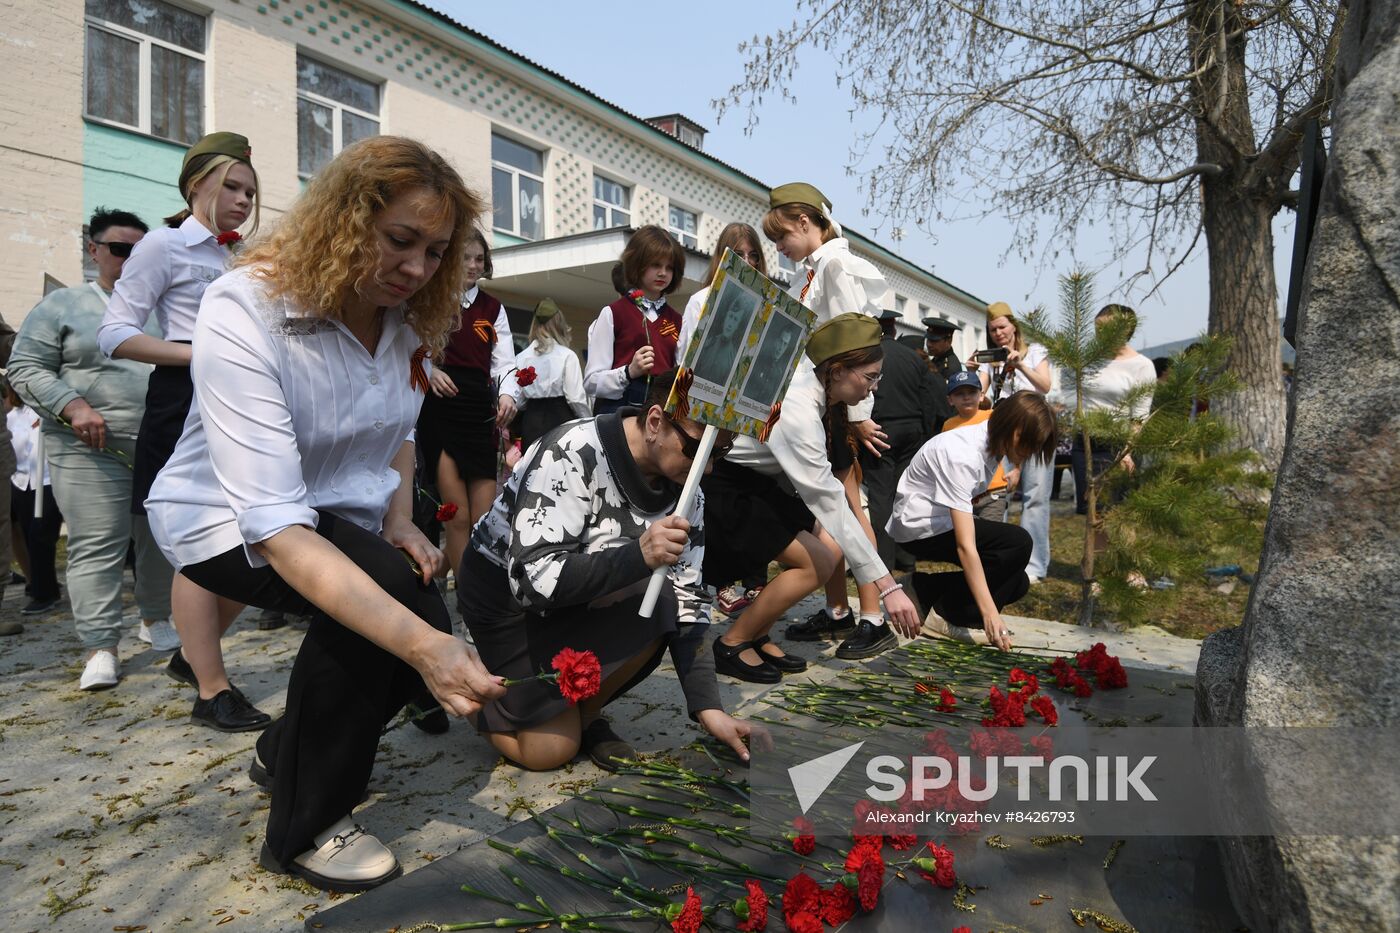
965, 395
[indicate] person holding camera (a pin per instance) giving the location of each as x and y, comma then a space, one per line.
1024, 367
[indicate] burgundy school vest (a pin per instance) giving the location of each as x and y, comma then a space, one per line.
471, 344
631, 330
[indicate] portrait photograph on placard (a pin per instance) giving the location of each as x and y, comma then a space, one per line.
772, 364
723, 337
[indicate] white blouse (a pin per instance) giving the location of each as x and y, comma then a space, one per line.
167, 274
1107, 388
690, 320
841, 282
600, 379
797, 449
24, 432
945, 475
291, 413
1016, 381
557, 373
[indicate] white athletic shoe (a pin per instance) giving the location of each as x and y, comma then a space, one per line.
346, 859
159, 635
935, 626
100, 672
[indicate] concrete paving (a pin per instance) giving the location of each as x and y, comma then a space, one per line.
117, 813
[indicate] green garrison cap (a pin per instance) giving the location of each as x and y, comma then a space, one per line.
845, 332
546, 309
799, 192
228, 144
999, 309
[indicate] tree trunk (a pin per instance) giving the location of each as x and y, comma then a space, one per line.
1244, 307
1236, 211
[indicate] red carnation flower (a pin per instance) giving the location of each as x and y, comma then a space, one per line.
446, 512
801, 896
947, 701
636, 295
962, 929
525, 376
580, 674
903, 842
691, 915
753, 909
938, 867
1019, 676
228, 237
804, 844
804, 921
865, 848
1045, 707
871, 877
1111, 676
1044, 746
838, 904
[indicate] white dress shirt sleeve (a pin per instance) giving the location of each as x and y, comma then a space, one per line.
573, 383
841, 291
145, 277
247, 422
503, 358
798, 443
600, 379
690, 320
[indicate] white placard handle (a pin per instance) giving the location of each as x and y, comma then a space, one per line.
692, 482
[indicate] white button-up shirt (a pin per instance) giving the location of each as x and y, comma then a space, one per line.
690, 320
291, 413
841, 282
167, 274
797, 449
557, 373
947, 473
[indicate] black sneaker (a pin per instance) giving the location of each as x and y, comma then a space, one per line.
868, 641
270, 619
37, 607
820, 626
229, 711
604, 747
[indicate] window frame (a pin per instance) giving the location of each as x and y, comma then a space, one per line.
143, 73
680, 235
338, 110
610, 207
516, 172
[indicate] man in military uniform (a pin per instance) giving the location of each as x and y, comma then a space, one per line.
938, 341
911, 403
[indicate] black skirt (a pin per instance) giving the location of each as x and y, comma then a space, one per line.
518, 644
463, 426
542, 415
169, 394
749, 520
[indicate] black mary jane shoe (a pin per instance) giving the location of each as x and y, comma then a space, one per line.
727, 661
820, 626
229, 711
787, 664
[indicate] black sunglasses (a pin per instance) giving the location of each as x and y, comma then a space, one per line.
690, 446
116, 247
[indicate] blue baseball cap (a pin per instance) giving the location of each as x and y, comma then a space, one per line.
964, 378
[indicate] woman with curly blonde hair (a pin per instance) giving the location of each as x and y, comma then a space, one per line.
291, 488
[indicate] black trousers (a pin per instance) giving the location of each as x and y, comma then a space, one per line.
905, 436
1103, 456
40, 540
1005, 551
343, 689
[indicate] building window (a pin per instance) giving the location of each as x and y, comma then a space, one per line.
517, 188
334, 109
145, 68
611, 204
900, 303
684, 225
923, 311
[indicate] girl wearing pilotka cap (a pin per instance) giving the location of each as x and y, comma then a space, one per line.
167, 275
831, 280
780, 501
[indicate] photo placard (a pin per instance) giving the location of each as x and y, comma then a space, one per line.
747, 342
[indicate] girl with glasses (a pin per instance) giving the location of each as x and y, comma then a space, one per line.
166, 277
743, 240
781, 501
563, 559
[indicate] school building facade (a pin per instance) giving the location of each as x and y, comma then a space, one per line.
104, 95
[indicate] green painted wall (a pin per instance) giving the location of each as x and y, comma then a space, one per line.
129, 172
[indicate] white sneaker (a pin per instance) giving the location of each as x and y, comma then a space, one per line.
159, 635
100, 672
935, 626
346, 859
1033, 580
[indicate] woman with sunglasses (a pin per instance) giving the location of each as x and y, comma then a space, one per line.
165, 278
562, 560
90, 409
781, 501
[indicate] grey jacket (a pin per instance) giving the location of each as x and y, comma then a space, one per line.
56, 360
